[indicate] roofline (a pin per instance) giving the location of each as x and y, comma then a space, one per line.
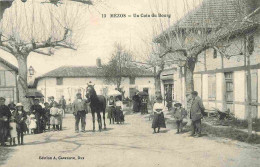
5, 62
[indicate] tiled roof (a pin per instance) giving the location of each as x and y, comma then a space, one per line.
88, 71
8, 64
209, 14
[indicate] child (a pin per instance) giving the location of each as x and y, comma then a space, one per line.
32, 124
111, 109
119, 111
179, 114
158, 120
61, 114
13, 132
20, 117
54, 111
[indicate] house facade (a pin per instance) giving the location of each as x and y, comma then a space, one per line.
69, 80
8, 84
221, 79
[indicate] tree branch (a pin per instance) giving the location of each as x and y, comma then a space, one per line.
5, 49
41, 52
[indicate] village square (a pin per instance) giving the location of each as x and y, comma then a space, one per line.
129, 83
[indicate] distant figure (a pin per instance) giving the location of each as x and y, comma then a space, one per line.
143, 107
158, 120
136, 102
13, 132
197, 108
79, 111
179, 114
62, 103
5, 116
20, 118
52, 101
111, 109
37, 110
32, 123
61, 115
54, 113
119, 111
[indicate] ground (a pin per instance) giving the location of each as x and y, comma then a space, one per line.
130, 144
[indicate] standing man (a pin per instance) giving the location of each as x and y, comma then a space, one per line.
62, 103
79, 108
37, 110
5, 116
197, 108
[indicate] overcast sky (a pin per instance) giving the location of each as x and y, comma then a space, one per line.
99, 34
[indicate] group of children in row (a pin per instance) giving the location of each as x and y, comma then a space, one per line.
179, 113
36, 121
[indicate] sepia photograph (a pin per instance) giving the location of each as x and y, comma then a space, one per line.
129, 83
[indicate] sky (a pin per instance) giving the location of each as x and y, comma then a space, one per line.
96, 35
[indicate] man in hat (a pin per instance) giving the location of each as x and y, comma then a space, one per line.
79, 108
5, 116
36, 109
197, 108
52, 101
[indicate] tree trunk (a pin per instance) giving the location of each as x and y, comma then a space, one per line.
158, 84
22, 81
189, 82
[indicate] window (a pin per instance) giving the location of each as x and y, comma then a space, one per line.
229, 87
212, 86
2, 78
215, 54
132, 80
59, 81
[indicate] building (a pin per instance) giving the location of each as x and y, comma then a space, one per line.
220, 80
8, 82
69, 80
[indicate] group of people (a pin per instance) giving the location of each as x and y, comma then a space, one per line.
15, 121
115, 110
140, 104
180, 114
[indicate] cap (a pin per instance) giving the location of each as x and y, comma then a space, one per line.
2, 98
19, 105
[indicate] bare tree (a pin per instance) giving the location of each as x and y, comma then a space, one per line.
118, 66
28, 28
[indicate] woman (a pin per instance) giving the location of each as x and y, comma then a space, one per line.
158, 120
111, 109
20, 118
136, 103
119, 111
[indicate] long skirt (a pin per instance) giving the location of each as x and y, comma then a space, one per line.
111, 112
158, 121
119, 115
136, 106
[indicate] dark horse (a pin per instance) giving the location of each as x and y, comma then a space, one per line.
97, 105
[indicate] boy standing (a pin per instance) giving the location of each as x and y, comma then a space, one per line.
179, 114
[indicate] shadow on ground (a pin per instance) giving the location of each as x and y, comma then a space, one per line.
5, 153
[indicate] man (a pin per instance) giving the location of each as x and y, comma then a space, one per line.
5, 116
36, 109
79, 108
197, 108
62, 103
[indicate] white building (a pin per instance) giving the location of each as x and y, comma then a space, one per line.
68, 80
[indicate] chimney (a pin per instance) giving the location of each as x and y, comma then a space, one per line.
98, 61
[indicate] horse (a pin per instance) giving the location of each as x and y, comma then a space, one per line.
97, 105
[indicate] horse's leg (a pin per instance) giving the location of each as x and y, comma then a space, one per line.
93, 119
99, 121
104, 118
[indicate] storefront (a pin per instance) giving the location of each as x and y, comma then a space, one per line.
168, 86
